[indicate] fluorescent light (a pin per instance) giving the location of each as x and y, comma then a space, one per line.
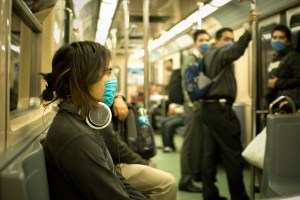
57, 32
183, 25
101, 36
104, 24
184, 41
219, 3
207, 10
107, 10
194, 17
15, 48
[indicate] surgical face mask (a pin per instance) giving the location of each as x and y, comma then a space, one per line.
109, 92
204, 47
278, 45
228, 45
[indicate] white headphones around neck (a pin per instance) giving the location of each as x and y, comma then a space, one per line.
97, 118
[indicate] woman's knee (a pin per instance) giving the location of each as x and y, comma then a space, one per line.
170, 181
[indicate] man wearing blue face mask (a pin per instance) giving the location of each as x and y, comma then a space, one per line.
191, 150
220, 123
284, 70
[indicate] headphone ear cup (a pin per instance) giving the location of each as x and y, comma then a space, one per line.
99, 117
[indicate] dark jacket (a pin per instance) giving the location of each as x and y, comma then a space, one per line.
217, 59
119, 150
287, 70
79, 165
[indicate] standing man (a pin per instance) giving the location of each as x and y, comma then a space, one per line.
191, 151
222, 127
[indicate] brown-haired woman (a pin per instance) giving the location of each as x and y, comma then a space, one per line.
79, 165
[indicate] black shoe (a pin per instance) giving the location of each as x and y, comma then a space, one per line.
218, 198
190, 188
198, 178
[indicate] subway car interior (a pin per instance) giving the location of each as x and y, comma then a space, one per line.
148, 39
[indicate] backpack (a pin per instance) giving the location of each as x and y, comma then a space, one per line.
137, 132
174, 87
196, 83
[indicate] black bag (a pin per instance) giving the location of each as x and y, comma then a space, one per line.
174, 88
138, 135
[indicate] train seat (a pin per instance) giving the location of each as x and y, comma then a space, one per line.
281, 174
26, 178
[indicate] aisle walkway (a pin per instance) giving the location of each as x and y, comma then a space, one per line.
170, 162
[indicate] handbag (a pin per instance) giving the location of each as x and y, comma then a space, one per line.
254, 153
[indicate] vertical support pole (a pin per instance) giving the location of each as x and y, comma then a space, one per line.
199, 23
126, 35
146, 54
5, 42
68, 25
113, 33
253, 95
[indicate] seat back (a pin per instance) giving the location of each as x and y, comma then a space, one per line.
281, 173
26, 177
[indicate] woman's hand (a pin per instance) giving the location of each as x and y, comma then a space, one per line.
120, 108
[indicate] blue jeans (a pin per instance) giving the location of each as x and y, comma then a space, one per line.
168, 128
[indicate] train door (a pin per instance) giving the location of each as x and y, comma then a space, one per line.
290, 18
265, 56
293, 20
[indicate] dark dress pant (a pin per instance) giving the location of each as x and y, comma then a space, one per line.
222, 139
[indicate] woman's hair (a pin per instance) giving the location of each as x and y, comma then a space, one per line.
74, 68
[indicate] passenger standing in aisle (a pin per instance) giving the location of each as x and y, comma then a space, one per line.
222, 127
79, 166
191, 151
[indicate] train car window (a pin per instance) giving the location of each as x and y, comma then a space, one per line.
14, 62
295, 29
23, 68
265, 59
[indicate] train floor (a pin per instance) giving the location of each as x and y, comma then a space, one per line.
170, 162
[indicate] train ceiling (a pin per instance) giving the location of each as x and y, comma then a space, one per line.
163, 15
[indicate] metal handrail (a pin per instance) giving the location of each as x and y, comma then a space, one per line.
279, 99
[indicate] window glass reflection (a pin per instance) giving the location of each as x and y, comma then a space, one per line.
14, 62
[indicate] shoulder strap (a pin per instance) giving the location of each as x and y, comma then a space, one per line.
219, 75
201, 66
196, 58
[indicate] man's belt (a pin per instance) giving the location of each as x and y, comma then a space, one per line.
220, 101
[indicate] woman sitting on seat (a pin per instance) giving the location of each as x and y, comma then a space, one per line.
79, 166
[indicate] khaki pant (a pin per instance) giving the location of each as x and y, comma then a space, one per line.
155, 184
